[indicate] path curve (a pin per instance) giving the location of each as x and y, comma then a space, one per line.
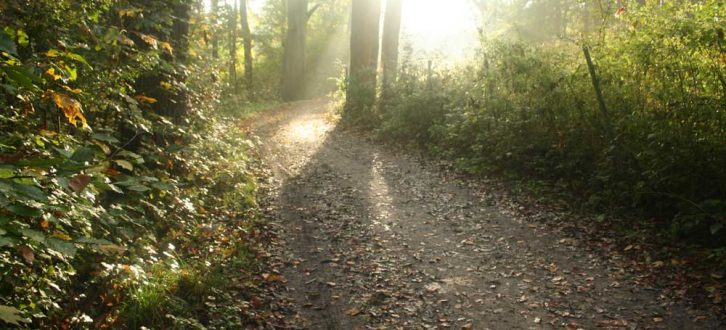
373, 239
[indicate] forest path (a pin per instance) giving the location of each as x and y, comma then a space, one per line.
375, 239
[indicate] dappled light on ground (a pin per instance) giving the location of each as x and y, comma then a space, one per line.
308, 130
380, 196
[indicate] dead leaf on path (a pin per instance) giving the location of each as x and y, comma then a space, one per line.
571, 326
353, 311
553, 267
468, 326
612, 323
270, 278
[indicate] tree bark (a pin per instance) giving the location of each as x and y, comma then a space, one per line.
247, 39
215, 38
389, 51
365, 20
293, 76
233, 50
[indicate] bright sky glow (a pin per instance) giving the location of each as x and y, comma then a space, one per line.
443, 27
437, 29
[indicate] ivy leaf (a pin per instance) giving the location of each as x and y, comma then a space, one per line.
10, 315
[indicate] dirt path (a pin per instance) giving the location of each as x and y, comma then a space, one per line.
378, 240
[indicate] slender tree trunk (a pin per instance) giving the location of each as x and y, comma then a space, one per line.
233, 51
365, 20
215, 38
247, 38
293, 76
389, 51
598, 91
180, 45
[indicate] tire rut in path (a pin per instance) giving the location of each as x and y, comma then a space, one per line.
374, 239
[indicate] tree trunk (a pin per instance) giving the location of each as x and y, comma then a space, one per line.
293, 75
389, 51
233, 50
180, 45
215, 38
365, 20
247, 38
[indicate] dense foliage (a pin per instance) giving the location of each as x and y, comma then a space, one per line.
123, 201
530, 109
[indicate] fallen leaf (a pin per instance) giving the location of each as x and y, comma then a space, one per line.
612, 323
553, 268
353, 311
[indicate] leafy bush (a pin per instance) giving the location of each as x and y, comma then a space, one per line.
530, 110
114, 172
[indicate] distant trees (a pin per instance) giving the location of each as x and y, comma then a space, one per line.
364, 34
389, 51
293, 66
247, 40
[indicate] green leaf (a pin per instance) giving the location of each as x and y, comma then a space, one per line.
40, 162
10, 315
67, 249
20, 76
83, 154
33, 235
77, 58
104, 137
23, 210
7, 45
124, 164
6, 171
31, 191
7, 241
92, 240
138, 188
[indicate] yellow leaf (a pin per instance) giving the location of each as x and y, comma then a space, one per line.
151, 41
130, 12
62, 236
126, 41
51, 72
167, 47
71, 108
72, 90
165, 85
52, 53
146, 99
